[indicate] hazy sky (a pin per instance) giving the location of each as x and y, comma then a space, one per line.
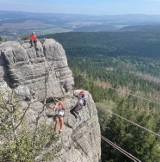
94, 7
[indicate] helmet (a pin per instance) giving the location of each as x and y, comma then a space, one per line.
33, 32
81, 92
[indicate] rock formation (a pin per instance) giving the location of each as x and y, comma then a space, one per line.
39, 70
41, 73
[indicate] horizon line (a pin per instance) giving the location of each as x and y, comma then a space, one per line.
81, 13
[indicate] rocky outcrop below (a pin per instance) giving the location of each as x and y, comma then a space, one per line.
79, 141
39, 74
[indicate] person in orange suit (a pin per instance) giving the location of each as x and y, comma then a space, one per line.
33, 39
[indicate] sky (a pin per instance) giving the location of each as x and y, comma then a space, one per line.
87, 7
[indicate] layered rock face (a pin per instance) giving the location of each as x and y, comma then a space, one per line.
80, 141
43, 70
40, 73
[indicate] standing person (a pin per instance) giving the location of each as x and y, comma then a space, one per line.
79, 105
33, 39
58, 110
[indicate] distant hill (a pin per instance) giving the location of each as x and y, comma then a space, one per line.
143, 28
135, 43
14, 24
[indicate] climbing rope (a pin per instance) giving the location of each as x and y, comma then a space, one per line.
130, 156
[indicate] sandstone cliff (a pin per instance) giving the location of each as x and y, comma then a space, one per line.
38, 74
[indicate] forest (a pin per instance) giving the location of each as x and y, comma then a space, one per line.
122, 72
135, 43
